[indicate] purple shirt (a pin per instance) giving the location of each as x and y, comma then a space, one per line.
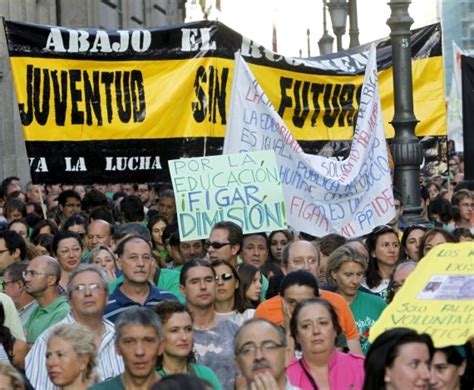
346, 371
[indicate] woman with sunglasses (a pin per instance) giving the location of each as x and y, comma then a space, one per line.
228, 303
384, 253
177, 344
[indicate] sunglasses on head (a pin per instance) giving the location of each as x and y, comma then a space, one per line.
216, 244
224, 277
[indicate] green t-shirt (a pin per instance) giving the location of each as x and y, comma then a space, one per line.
114, 383
42, 318
168, 280
366, 309
202, 372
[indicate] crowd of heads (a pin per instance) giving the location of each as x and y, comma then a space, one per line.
74, 241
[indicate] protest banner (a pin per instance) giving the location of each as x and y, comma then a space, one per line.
102, 106
243, 188
436, 298
322, 195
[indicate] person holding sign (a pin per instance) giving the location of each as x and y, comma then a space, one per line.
384, 253
345, 270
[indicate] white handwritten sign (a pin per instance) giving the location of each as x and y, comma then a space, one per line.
322, 195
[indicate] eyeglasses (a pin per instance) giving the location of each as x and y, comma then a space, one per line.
3, 250
4, 284
267, 347
82, 288
33, 273
216, 244
224, 277
310, 261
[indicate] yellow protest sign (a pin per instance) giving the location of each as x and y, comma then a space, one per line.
437, 297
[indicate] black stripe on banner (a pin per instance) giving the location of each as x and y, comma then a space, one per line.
124, 161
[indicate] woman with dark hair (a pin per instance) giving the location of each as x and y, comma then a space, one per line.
182, 381
44, 242
76, 223
156, 225
177, 356
411, 241
249, 289
278, 239
315, 327
440, 212
67, 249
228, 303
45, 226
384, 253
433, 237
21, 227
399, 359
463, 234
12, 350
14, 209
451, 369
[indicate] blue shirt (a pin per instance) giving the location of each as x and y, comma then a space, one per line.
119, 302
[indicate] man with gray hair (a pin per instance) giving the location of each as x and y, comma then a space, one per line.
138, 340
42, 277
259, 347
87, 290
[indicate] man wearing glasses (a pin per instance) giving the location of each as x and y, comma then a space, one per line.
41, 281
12, 249
87, 290
259, 348
225, 242
14, 286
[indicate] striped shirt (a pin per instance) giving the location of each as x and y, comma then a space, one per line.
109, 363
119, 302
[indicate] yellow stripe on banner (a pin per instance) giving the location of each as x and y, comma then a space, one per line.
74, 100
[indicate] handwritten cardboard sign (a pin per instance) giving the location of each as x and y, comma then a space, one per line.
436, 298
243, 188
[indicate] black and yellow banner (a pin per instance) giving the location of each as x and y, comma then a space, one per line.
115, 106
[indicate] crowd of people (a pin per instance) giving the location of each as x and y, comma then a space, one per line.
99, 292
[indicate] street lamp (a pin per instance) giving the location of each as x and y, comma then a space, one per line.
353, 24
338, 10
325, 43
406, 148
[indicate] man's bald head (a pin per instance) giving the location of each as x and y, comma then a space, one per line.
48, 265
301, 255
99, 232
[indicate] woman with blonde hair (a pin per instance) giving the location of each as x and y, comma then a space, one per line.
10, 378
71, 357
345, 271
104, 257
